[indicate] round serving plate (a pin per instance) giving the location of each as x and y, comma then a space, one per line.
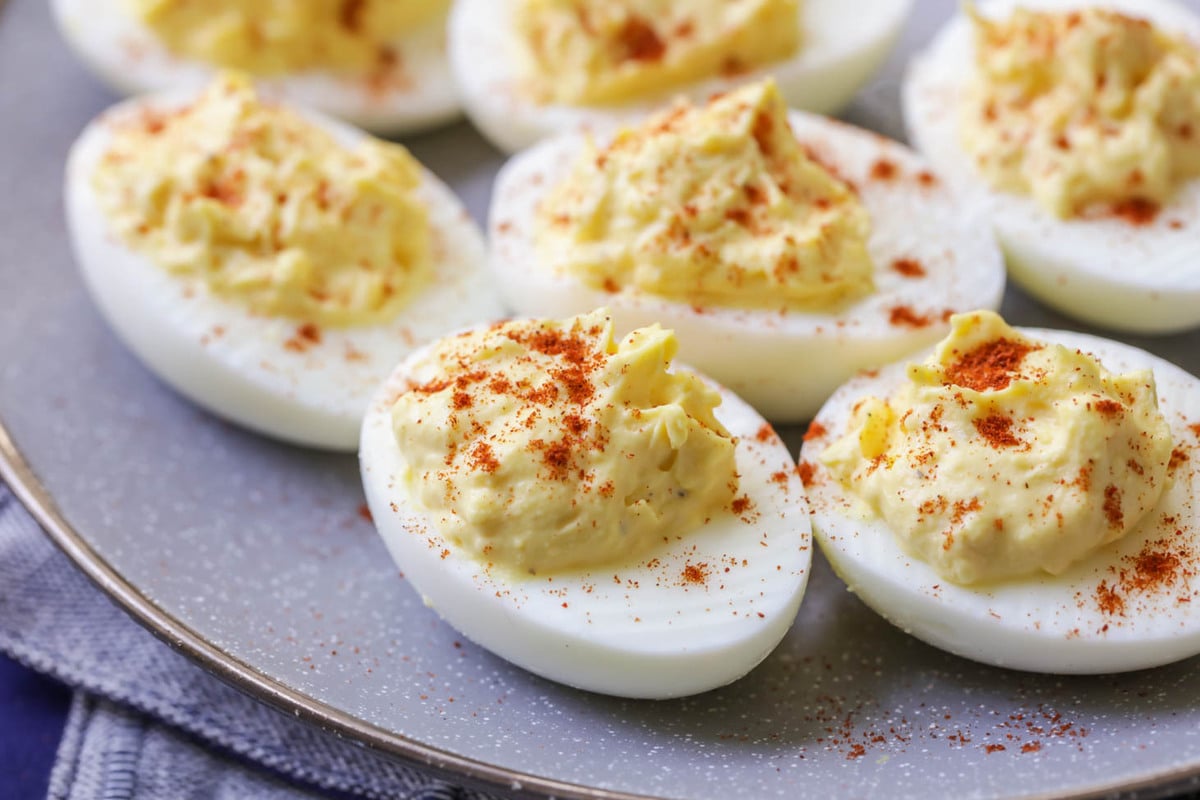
254, 558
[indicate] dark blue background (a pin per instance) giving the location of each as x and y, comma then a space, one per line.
33, 710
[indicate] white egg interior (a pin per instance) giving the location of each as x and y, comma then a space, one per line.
1142, 278
255, 370
840, 50
1044, 623
128, 57
640, 629
785, 364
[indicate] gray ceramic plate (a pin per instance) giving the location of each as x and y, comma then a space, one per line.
252, 558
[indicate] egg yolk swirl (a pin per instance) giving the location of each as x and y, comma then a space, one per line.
544, 446
267, 209
584, 52
1002, 456
274, 37
1089, 111
715, 205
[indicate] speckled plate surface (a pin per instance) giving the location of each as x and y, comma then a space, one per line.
253, 558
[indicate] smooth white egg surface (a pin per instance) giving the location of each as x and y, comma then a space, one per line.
415, 93
299, 383
1129, 605
933, 256
841, 48
695, 614
1140, 276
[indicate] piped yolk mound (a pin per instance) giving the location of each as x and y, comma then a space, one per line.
716, 205
594, 53
1087, 111
544, 446
267, 209
272, 37
1001, 456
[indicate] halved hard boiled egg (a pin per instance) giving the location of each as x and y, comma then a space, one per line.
837, 53
673, 610
931, 253
1132, 269
1130, 604
299, 380
401, 85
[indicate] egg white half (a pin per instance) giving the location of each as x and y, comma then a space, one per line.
839, 52
255, 370
785, 364
1042, 623
1141, 278
637, 629
127, 56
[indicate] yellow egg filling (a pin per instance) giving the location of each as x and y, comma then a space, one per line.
271, 37
543, 446
584, 52
269, 210
1002, 456
715, 205
1088, 110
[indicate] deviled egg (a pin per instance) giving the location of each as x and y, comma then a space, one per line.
583, 510
378, 64
787, 251
1025, 498
530, 68
1079, 125
273, 266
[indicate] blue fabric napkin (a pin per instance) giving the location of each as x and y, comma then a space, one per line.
146, 722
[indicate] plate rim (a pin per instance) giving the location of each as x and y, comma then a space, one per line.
27, 488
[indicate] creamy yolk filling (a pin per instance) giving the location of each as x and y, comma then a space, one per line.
543, 446
270, 37
1001, 456
585, 52
269, 210
1087, 110
711, 205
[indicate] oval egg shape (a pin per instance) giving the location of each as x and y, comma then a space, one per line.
293, 381
930, 257
839, 52
1129, 605
1124, 273
697, 613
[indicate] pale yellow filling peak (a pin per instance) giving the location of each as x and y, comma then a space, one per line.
544, 446
1002, 456
585, 52
711, 205
1087, 111
269, 210
271, 37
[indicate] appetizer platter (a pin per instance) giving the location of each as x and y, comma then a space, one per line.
194, 480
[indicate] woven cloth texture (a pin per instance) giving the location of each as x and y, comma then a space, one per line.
145, 721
